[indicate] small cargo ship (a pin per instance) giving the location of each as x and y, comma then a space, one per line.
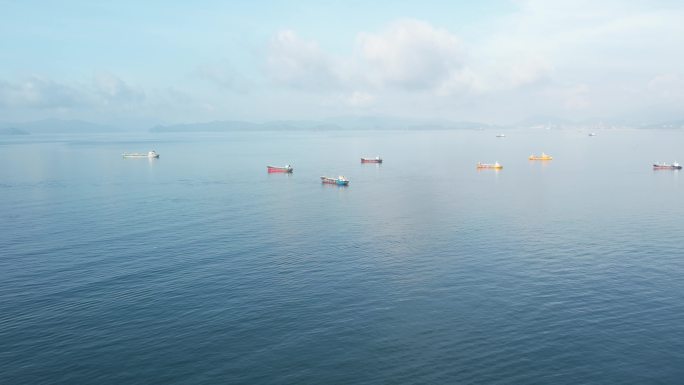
151, 154
543, 156
340, 180
377, 159
666, 166
286, 169
495, 165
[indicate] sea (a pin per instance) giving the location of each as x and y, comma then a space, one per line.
201, 268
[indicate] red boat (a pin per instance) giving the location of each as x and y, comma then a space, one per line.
377, 159
272, 169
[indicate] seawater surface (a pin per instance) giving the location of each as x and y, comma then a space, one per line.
199, 267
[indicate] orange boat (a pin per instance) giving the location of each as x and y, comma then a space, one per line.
543, 156
495, 165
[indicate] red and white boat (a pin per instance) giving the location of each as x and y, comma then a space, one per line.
377, 159
666, 166
272, 169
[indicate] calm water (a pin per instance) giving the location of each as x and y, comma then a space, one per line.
199, 267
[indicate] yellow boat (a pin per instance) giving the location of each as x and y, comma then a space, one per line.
540, 157
489, 165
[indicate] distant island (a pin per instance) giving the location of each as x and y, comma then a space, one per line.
54, 126
350, 123
13, 131
333, 124
234, 125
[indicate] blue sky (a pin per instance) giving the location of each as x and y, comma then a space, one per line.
499, 61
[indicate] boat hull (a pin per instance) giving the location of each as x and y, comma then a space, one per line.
370, 160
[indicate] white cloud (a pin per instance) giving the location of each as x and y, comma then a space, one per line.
39, 92
224, 76
574, 58
528, 70
576, 97
111, 89
300, 64
667, 85
406, 56
410, 54
360, 99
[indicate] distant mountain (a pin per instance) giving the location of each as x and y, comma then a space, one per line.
331, 124
544, 120
57, 126
598, 122
217, 126
13, 131
393, 123
300, 125
673, 124
235, 125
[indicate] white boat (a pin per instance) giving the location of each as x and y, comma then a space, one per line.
151, 154
592, 134
500, 135
667, 166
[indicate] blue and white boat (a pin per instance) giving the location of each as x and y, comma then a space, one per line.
340, 180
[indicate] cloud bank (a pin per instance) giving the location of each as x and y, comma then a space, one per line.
572, 59
567, 58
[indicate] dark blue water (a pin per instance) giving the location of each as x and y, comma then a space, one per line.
199, 267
